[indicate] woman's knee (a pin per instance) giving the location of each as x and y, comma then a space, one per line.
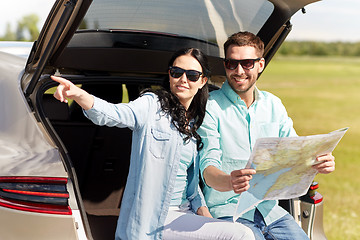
241, 232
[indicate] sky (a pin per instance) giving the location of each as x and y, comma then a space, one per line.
327, 20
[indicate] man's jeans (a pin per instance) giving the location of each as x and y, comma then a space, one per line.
284, 228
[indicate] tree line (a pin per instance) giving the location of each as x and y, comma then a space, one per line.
312, 48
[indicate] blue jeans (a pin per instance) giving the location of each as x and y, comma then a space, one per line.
284, 228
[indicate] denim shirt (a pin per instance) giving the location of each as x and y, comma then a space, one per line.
155, 155
229, 132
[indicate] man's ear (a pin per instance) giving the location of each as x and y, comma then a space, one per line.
261, 64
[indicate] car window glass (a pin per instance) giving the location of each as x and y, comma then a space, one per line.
207, 20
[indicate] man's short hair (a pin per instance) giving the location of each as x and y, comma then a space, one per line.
245, 39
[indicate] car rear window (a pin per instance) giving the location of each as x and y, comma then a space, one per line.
207, 20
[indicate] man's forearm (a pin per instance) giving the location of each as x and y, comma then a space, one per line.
217, 179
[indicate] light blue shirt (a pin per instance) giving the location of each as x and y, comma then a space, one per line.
179, 194
229, 133
155, 156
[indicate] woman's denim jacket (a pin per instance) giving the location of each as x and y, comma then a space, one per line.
155, 155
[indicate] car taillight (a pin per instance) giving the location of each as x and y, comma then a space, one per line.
35, 194
312, 196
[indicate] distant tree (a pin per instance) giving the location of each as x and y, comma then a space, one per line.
319, 49
28, 24
357, 49
9, 34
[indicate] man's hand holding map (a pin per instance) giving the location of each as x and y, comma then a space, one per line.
284, 167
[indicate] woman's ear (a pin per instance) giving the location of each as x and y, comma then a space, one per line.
203, 82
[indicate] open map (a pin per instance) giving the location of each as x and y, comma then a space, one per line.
284, 167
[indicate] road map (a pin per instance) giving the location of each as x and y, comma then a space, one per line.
284, 167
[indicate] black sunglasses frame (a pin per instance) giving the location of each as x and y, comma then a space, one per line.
229, 63
191, 75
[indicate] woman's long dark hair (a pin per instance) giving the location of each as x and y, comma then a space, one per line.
171, 105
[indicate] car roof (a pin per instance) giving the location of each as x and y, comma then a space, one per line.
21, 49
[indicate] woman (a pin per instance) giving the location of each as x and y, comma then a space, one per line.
162, 193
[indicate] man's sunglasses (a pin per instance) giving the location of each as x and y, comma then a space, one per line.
177, 72
246, 64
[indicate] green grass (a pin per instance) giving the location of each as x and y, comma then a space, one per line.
322, 95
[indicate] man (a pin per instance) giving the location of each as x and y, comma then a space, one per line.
237, 115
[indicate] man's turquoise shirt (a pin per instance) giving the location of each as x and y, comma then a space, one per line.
229, 133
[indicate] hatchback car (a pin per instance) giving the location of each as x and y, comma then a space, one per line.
62, 177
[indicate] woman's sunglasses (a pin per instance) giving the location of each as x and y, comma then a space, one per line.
246, 64
177, 72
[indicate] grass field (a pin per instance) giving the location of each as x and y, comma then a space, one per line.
322, 95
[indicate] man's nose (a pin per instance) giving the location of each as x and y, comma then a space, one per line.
239, 69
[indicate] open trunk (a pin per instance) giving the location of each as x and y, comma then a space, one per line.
100, 155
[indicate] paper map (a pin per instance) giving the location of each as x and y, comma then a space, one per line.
283, 167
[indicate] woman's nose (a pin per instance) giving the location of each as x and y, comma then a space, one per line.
183, 78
